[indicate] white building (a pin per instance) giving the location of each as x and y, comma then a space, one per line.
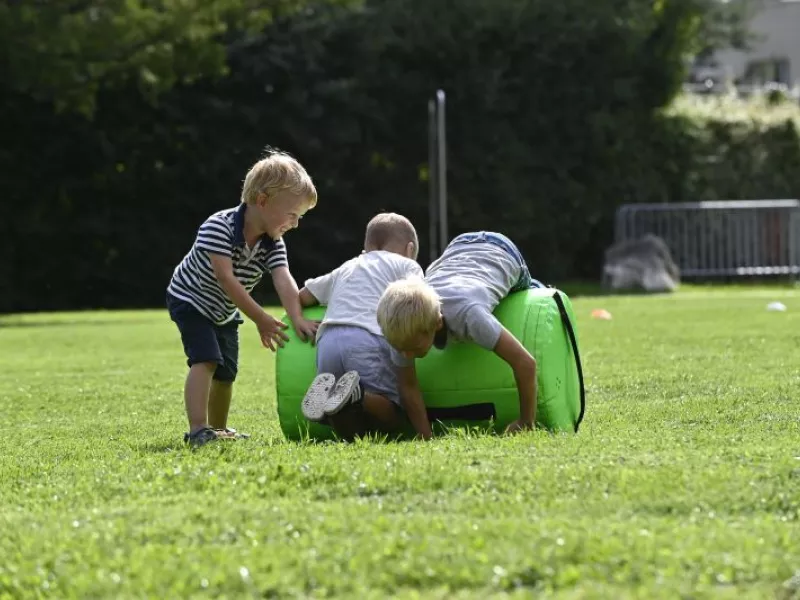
774, 55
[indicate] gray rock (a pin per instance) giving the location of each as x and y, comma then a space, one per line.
643, 264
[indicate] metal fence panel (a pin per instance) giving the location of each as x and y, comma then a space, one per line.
730, 238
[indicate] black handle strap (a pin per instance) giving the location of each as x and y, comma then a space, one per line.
571, 332
484, 411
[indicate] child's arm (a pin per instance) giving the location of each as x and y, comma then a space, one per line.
287, 290
524, 366
411, 396
269, 328
307, 298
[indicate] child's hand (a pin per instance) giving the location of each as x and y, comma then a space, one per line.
306, 330
517, 426
271, 331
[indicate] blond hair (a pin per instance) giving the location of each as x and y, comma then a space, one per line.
408, 308
275, 173
385, 228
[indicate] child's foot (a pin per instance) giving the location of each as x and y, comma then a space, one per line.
348, 390
231, 434
201, 437
316, 397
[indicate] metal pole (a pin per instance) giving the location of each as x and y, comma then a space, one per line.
432, 182
441, 170
793, 246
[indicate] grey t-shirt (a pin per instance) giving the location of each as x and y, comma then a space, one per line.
471, 279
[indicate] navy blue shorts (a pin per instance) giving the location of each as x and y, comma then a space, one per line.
204, 341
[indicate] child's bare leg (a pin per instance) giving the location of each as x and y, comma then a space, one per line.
382, 412
349, 423
219, 403
374, 413
196, 393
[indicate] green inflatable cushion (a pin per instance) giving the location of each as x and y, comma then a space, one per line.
465, 385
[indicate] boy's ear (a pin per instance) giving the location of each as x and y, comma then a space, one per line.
261, 199
410, 250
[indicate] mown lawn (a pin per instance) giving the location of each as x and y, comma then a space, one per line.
684, 480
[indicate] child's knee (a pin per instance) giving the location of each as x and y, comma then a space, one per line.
204, 367
225, 374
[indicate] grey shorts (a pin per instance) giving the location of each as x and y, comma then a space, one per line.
344, 348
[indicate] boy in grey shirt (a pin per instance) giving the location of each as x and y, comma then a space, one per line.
461, 290
354, 365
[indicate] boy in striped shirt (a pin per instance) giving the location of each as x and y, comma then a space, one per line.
233, 249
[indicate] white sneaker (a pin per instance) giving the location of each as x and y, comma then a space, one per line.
316, 397
347, 391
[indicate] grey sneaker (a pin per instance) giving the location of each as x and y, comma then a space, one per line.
348, 390
201, 437
316, 397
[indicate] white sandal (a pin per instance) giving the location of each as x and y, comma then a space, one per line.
347, 391
316, 397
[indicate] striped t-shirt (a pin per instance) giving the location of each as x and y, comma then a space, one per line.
223, 233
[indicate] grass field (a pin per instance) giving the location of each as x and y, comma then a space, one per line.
684, 481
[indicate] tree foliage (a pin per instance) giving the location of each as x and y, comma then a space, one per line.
67, 51
555, 116
725, 24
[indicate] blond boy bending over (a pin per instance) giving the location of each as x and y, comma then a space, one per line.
232, 251
461, 290
355, 390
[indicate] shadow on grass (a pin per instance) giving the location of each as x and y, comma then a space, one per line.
6, 323
576, 289
162, 447
180, 447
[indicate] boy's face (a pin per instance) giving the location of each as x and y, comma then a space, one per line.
417, 347
420, 345
281, 212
